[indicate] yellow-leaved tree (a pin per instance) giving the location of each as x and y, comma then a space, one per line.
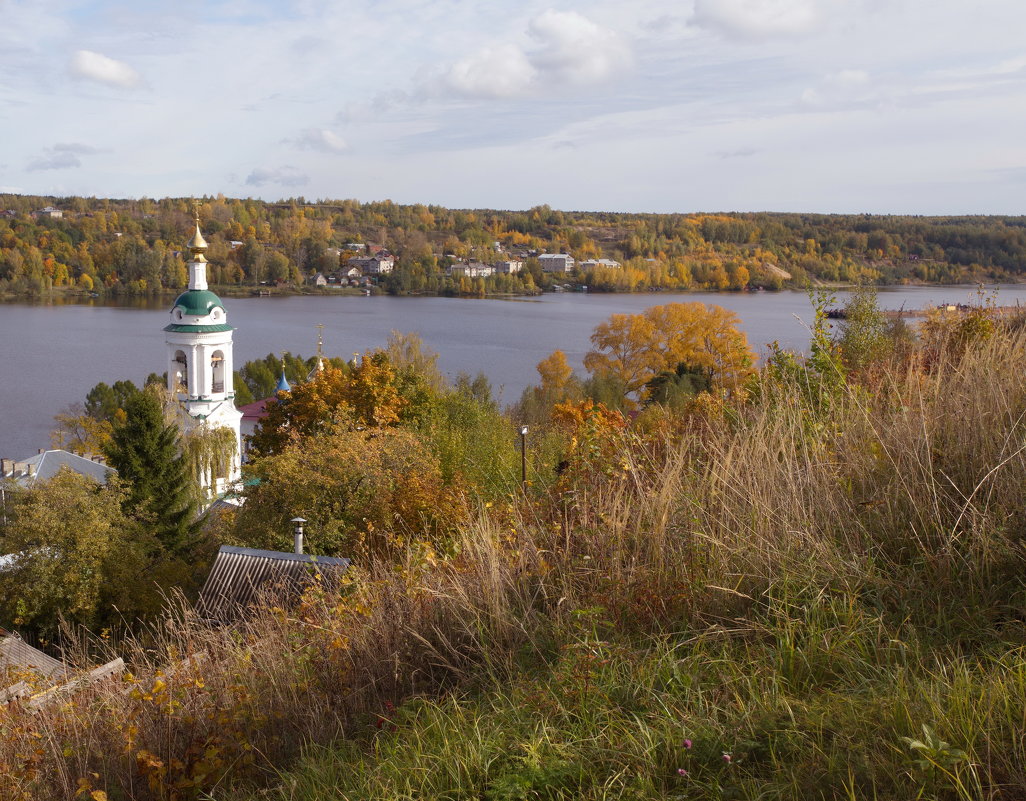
368, 394
632, 349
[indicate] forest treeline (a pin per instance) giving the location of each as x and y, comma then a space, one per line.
138, 246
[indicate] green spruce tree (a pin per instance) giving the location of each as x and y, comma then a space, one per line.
146, 452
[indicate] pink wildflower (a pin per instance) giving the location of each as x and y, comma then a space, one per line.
687, 743
681, 772
726, 757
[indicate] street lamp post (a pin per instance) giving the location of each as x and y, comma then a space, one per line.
523, 458
297, 540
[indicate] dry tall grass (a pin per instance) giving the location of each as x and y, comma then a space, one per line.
901, 492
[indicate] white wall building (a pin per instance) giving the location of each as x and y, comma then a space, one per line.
472, 269
200, 367
591, 264
556, 262
374, 265
508, 267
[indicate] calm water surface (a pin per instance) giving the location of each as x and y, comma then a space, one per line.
51, 355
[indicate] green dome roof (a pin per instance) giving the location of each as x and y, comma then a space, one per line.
198, 302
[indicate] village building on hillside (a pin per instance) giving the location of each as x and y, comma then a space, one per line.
591, 264
556, 262
50, 212
508, 267
46, 464
379, 264
471, 269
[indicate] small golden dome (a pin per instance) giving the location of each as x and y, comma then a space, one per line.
197, 243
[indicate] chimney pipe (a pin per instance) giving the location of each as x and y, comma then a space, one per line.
297, 539
6, 467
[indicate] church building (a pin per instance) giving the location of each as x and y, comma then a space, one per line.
200, 369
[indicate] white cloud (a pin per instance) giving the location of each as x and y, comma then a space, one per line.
76, 147
280, 176
319, 139
758, 19
100, 68
575, 49
500, 71
62, 156
845, 87
55, 161
849, 78
567, 49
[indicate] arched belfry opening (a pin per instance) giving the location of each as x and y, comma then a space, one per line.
217, 371
178, 375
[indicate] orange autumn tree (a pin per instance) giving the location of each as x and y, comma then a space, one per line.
634, 348
366, 395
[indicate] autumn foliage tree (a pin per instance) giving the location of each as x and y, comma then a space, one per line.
361, 492
635, 348
369, 394
77, 554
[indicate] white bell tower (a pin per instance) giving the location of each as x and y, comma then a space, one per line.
199, 351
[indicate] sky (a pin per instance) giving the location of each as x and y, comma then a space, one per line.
847, 106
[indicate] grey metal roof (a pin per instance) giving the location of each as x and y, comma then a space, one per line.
238, 575
16, 655
48, 463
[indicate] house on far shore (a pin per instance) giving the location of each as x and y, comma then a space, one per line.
591, 264
319, 280
51, 212
508, 267
380, 263
471, 269
556, 262
46, 464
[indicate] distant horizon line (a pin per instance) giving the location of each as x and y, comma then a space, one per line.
338, 201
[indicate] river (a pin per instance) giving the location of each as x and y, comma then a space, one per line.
52, 354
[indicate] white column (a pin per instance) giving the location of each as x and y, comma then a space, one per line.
195, 385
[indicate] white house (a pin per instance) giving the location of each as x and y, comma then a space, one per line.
508, 267
471, 269
50, 212
556, 262
591, 264
379, 264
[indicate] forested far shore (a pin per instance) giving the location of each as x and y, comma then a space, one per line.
137, 246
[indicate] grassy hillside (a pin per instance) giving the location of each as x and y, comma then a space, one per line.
811, 589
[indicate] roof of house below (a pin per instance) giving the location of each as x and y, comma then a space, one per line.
239, 576
47, 464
